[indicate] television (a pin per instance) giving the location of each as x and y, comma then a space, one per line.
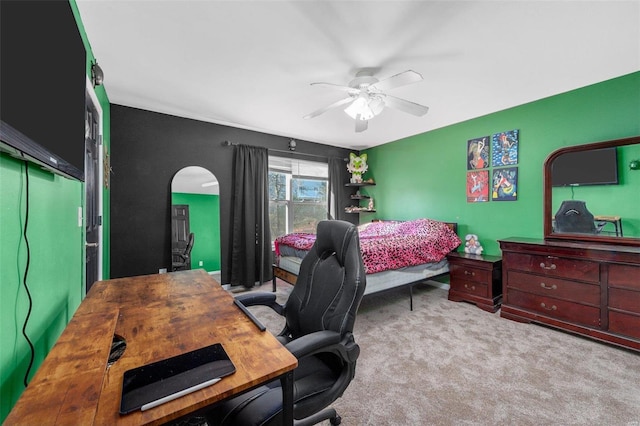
43, 80
592, 167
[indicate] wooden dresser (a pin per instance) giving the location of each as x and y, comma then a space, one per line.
588, 289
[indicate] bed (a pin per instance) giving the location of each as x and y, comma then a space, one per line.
395, 253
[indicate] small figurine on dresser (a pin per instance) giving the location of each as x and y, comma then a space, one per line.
472, 244
371, 207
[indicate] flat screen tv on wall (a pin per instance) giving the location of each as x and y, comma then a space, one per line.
43, 80
593, 167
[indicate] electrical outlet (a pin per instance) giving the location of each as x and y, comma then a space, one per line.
201, 263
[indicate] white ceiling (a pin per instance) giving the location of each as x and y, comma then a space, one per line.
249, 64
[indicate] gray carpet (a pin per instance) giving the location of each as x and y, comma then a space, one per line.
449, 363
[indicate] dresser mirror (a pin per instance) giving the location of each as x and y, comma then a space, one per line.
592, 193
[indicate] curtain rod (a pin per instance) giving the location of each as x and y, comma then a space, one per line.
229, 143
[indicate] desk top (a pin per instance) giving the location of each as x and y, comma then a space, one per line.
159, 316
607, 218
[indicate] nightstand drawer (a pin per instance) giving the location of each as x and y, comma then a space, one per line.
556, 308
552, 266
466, 273
469, 287
554, 287
476, 279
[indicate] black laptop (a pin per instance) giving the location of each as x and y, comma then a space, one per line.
163, 381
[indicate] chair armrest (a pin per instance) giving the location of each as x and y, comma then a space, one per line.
312, 343
261, 299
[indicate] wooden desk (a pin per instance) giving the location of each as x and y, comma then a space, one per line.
159, 316
616, 220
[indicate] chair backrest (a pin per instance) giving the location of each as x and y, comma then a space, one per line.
573, 216
330, 283
187, 250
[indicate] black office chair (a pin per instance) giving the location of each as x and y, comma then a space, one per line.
320, 314
182, 261
573, 216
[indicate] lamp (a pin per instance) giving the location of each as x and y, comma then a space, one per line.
97, 75
365, 107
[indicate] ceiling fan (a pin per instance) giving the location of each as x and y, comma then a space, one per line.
367, 97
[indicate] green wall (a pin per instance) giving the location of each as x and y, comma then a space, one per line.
56, 264
425, 175
204, 222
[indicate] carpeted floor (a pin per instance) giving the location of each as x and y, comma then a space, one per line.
448, 363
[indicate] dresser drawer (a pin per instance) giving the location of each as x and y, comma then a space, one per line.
555, 287
626, 300
467, 273
552, 266
555, 308
624, 323
469, 287
624, 276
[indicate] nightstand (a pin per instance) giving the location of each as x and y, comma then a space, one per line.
476, 278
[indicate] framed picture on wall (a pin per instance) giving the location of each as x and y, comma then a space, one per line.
478, 153
504, 148
504, 184
478, 186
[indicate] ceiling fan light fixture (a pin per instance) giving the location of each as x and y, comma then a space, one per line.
364, 107
376, 105
359, 107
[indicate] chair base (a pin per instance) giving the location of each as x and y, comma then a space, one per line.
326, 414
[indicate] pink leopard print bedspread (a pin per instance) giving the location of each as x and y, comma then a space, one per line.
392, 245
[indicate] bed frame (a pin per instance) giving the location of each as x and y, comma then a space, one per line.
291, 278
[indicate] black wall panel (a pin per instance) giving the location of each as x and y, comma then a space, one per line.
147, 149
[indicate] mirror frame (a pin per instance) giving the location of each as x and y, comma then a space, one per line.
547, 196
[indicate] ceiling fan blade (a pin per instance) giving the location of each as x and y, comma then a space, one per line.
361, 125
327, 108
405, 106
401, 79
350, 90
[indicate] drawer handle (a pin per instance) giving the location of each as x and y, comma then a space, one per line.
552, 308
543, 266
473, 287
473, 274
552, 287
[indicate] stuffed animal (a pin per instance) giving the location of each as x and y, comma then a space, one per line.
357, 166
472, 245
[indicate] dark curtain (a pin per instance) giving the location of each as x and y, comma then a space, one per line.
336, 185
250, 259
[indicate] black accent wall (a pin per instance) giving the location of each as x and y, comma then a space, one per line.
147, 149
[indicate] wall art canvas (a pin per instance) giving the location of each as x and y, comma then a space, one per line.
478, 153
504, 148
505, 184
478, 186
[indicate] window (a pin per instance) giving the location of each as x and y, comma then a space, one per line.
298, 194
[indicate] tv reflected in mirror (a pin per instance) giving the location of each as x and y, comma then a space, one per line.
593, 167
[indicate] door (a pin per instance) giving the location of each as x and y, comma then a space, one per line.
92, 196
179, 227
